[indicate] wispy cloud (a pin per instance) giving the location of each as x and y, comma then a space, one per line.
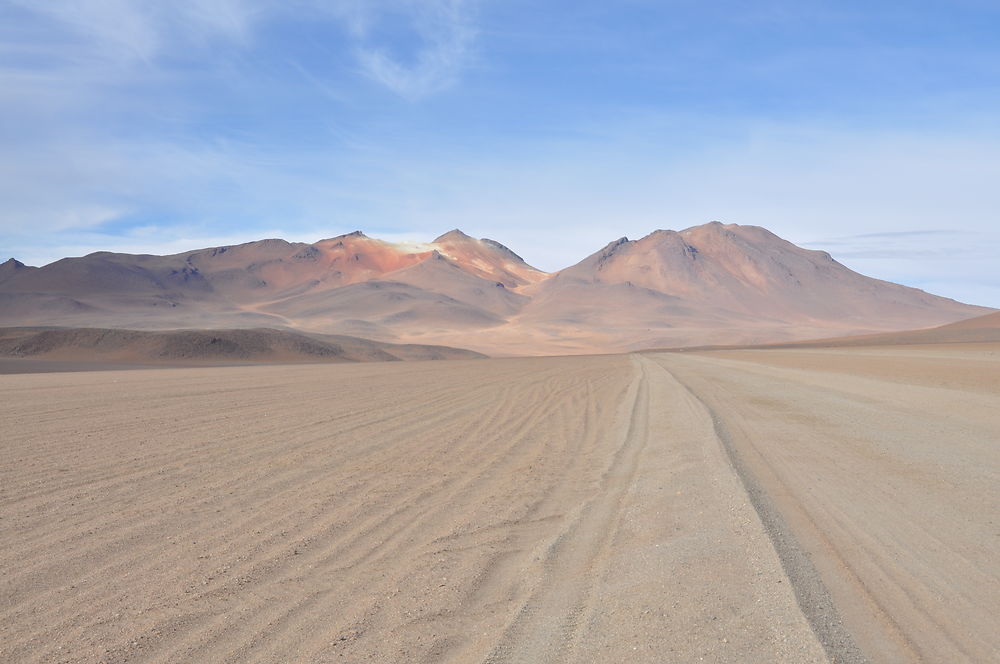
109, 107
125, 29
912, 245
907, 245
412, 47
895, 235
443, 32
957, 263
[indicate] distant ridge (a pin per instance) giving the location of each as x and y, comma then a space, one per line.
12, 267
214, 346
710, 284
982, 329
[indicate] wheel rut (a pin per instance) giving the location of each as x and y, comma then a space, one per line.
548, 626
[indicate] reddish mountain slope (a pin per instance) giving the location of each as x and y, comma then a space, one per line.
452, 283
711, 284
719, 275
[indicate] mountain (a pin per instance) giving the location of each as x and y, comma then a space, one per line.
709, 284
721, 283
11, 267
350, 283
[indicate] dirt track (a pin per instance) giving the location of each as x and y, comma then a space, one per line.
885, 464
536, 510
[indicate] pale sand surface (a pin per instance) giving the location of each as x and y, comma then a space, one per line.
885, 464
529, 510
564, 509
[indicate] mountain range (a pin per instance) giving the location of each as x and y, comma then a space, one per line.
710, 284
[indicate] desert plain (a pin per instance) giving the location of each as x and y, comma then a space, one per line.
836, 504
479, 332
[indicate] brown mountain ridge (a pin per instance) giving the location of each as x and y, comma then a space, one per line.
250, 345
710, 284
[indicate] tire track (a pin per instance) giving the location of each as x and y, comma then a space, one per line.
813, 597
228, 527
883, 482
547, 627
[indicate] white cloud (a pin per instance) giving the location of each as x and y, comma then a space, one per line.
445, 34
958, 263
122, 27
235, 19
76, 34
139, 30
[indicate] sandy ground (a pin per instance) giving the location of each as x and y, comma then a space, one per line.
780, 506
884, 463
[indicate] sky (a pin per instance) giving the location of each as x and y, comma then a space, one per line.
867, 129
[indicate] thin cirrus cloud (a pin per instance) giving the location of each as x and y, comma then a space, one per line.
124, 29
439, 35
76, 74
952, 262
442, 30
908, 245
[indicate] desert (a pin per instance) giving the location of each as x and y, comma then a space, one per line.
178, 493
817, 504
491, 332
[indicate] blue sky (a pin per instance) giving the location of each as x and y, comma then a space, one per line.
867, 129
